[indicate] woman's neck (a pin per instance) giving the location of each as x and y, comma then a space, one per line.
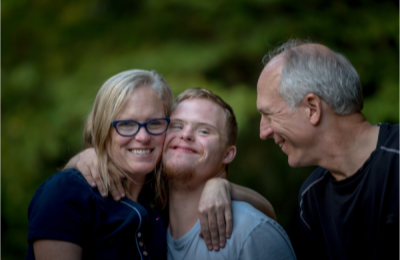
133, 187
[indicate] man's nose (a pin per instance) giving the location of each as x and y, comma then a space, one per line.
265, 128
187, 134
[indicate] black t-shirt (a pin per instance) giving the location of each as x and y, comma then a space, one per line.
356, 218
65, 207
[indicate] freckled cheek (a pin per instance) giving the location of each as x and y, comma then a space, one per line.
168, 138
208, 150
117, 143
159, 140
159, 145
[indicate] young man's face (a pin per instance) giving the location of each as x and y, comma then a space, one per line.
195, 145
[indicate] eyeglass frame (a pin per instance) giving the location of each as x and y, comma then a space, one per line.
115, 122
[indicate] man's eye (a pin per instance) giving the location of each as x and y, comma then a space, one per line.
204, 132
267, 116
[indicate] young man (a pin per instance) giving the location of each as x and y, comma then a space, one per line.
310, 100
199, 145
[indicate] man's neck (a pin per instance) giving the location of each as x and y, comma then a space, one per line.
347, 145
183, 206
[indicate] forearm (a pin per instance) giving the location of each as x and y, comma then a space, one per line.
56, 249
253, 198
72, 163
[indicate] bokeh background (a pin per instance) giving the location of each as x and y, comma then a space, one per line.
56, 55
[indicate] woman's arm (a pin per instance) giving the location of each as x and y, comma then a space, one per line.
46, 249
59, 214
215, 211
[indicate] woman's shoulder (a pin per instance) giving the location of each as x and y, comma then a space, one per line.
66, 184
67, 177
62, 208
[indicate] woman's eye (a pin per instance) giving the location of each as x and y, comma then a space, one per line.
155, 123
126, 124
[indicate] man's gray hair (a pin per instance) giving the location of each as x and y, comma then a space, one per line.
330, 76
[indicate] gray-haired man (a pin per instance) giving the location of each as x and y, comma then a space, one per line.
310, 100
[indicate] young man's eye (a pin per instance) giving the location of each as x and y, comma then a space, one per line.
203, 132
175, 126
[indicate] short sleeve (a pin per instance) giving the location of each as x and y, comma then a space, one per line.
267, 241
61, 209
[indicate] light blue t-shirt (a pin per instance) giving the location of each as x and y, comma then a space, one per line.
254, 236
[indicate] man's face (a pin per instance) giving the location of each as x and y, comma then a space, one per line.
196, 140
287, 127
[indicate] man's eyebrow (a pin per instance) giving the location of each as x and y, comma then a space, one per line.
265, 110
207, 124
178, 120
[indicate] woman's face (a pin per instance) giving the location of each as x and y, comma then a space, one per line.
138, 155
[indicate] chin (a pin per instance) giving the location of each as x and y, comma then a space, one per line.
143, 168
298, 162
179, 161
294, 163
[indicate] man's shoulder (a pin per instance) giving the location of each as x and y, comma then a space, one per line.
315, 178
390, 127
389, 136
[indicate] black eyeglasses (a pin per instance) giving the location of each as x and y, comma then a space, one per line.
155, 126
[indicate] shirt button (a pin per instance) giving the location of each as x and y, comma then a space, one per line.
140, 243
145, 253
139, 234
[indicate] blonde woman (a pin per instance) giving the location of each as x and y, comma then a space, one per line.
69, 219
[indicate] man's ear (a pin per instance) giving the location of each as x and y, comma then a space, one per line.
313, 106
229, 154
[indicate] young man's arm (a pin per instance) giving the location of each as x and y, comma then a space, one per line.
86, 162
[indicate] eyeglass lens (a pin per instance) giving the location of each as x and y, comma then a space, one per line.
153, 127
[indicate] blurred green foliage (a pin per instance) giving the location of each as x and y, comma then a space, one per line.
56, 55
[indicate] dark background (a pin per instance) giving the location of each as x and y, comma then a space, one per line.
56, 55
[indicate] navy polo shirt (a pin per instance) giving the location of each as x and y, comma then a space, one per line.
65, 207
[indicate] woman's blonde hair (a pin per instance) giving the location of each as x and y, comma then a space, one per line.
109, 101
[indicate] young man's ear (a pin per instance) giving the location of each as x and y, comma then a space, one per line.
230, 154
313, 106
